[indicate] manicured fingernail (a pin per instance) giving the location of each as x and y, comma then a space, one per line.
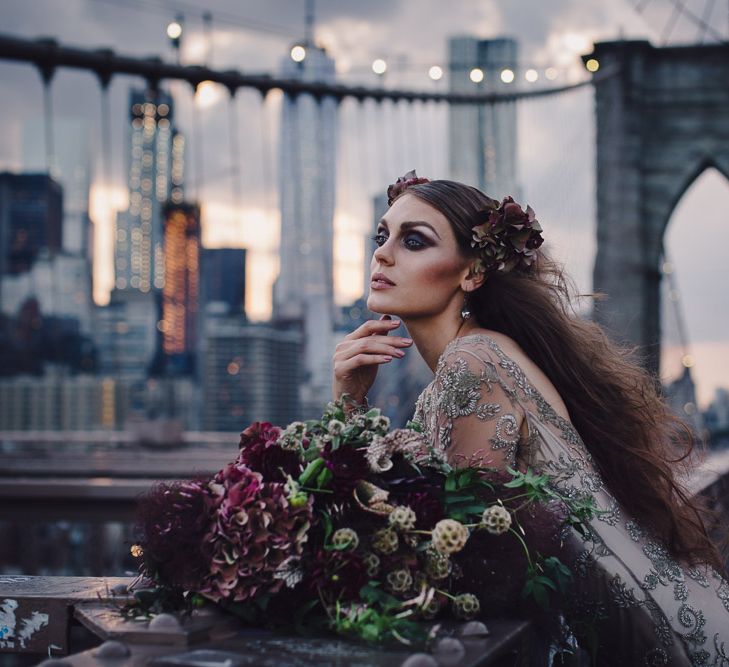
388, 358
400, 353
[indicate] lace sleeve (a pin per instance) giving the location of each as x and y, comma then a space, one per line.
479, 419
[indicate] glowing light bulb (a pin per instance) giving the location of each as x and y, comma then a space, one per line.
476, 75
379, 66
174, 30
531, 75
298, 53
507, 75
435, 73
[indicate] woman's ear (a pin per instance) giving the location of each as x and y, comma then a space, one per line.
473, 279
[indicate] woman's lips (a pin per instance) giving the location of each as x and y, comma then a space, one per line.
380, 284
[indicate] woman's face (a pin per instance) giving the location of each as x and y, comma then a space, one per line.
419, 256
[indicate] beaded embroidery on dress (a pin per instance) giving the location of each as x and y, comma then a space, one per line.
647, 608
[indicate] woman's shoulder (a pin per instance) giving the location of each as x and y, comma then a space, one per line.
484, 345
500, 356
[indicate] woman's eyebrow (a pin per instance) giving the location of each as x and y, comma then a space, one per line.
409, 224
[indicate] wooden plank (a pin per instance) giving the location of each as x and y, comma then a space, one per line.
35, 612
69, 589
106, 622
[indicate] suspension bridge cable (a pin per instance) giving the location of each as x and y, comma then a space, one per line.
671, 23
708, 10
163, 7
48, 53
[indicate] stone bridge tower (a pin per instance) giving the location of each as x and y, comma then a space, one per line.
661, 121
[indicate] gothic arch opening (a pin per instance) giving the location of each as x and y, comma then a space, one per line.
696, 240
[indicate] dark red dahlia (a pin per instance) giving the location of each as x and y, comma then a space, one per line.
173, 519
260, 452
348, 467
428, 509
338, 574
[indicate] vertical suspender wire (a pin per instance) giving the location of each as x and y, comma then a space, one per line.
268, 156
389, 149
47, 76
235, 155
343, 168
197, 148
106, 175
267, 159
431, 136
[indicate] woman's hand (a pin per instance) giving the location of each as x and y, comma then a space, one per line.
357, 356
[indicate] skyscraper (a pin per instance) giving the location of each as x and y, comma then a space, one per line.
304, 289
156, 169
181, 291
31, 219
72, 169
249, 372
223, 278
482, 139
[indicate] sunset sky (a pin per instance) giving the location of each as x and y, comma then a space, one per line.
556, 135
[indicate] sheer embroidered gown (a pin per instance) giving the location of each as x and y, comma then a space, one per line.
654, 611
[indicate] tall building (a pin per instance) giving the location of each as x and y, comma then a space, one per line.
71, 168
223, 278
156, 170
126, 333
249, 373
304, 290
181, 290
61, 283
482, 139
31, 219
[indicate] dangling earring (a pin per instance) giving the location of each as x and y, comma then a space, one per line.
465, 311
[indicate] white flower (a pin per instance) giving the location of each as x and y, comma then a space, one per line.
335, 427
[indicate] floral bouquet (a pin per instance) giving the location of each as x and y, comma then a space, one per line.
341, 524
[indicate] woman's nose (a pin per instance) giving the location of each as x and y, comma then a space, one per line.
383, 253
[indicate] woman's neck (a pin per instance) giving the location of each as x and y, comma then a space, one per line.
432, 335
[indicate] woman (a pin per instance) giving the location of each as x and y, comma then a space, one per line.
521, 381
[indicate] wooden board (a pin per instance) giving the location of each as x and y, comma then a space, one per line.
35, 612
105, 621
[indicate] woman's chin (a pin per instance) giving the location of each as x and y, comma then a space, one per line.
376, 304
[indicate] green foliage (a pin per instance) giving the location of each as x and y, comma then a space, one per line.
462, 496
378, 617
536, 486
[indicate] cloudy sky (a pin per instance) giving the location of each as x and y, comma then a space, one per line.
556, 135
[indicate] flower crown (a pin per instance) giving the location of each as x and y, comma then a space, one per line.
508, 237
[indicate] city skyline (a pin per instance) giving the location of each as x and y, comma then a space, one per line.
567, 218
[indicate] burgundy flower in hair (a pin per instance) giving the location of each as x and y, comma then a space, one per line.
508, 237
402, 183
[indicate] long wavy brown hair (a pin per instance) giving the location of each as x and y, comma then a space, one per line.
641, 448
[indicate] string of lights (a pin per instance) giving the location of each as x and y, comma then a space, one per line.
48, 55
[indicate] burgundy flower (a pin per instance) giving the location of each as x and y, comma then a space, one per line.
508, 237
338, 574
256, 537
428, 509
348, 466
173, 519
402, 184
260, 452
259, 432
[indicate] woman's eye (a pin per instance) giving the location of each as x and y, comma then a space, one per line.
379, 239
414, 242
